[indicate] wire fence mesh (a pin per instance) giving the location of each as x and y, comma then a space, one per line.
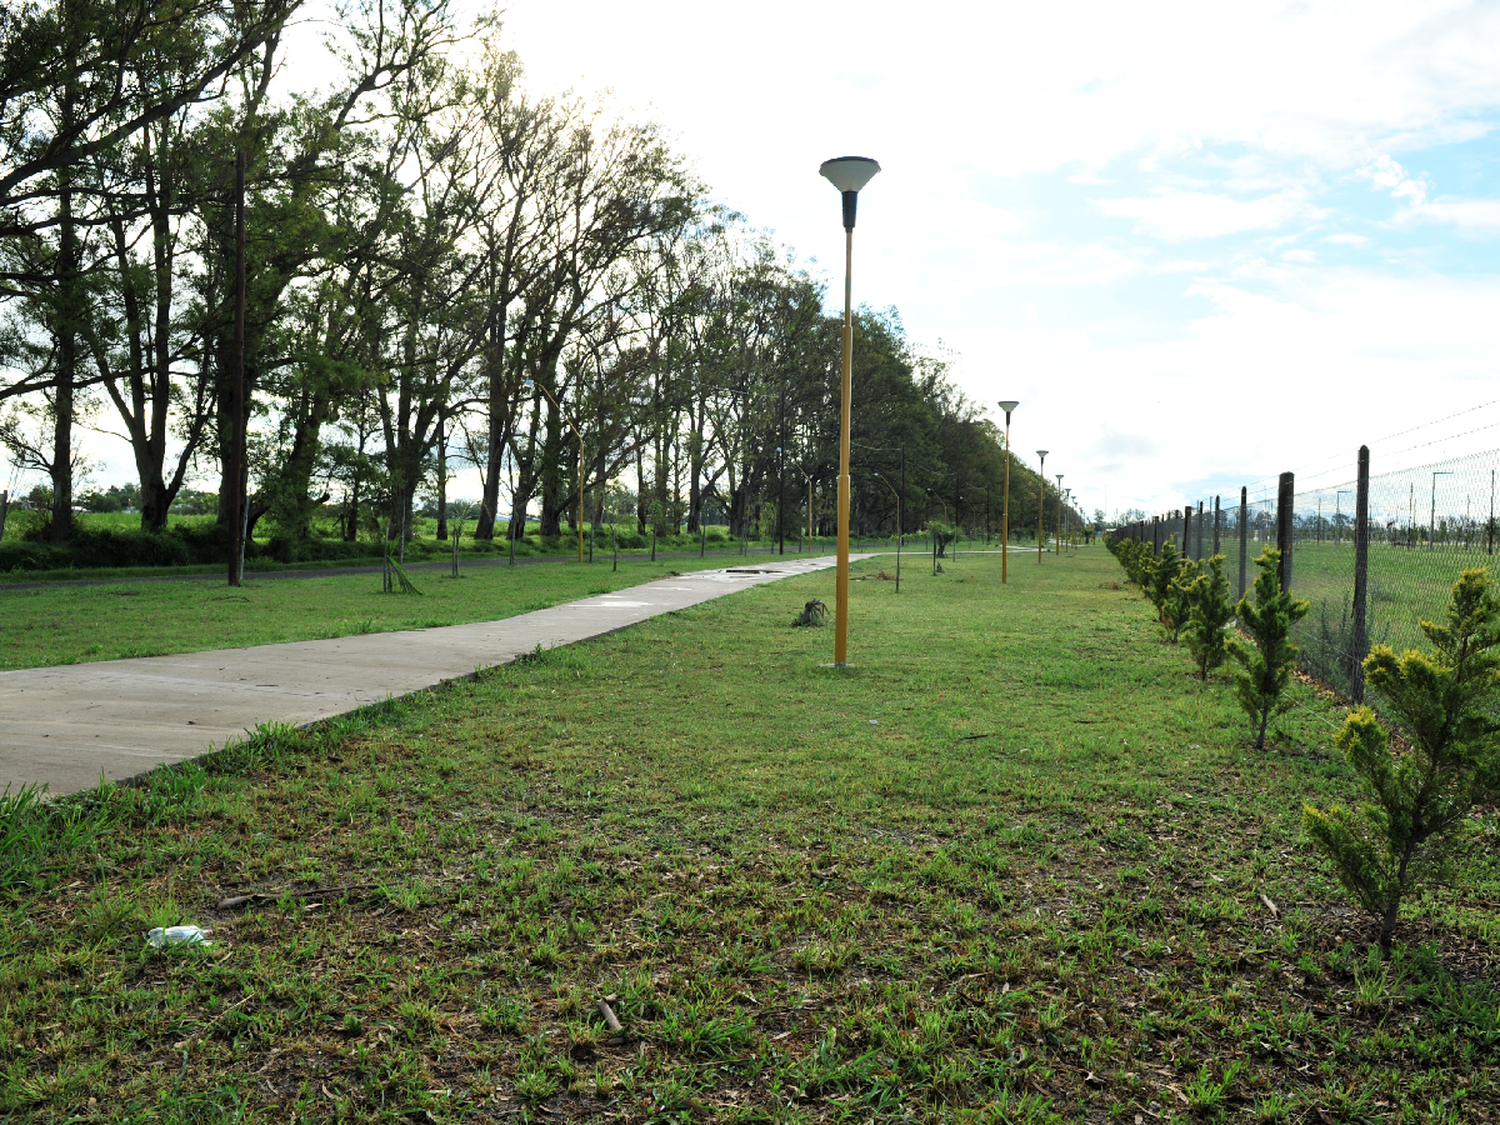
1425, 526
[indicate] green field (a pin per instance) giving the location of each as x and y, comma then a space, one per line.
1014, 865
67, 624
1405, 585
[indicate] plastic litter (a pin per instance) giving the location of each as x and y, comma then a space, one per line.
178, 935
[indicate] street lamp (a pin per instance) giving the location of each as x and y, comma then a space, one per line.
1041, 499
1338, 511
941, 501
1432, 520
1008, 405
533, 385
848, 174
1059, 514
897, 495
809, 481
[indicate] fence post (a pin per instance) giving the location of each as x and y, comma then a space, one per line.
1187, 526
1156, 537
1199, 555
1244, 532
1361, 575
1218, 517
1285, 498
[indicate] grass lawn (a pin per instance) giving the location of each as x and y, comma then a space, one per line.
72, 624
1015, 865
1405, 585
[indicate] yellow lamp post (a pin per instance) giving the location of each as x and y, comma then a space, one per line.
1041, 499
532, 384
848, 174
1059, 513
1007, 406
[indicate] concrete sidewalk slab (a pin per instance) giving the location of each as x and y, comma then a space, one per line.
66, 726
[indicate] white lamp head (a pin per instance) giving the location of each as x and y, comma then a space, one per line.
1008, 405
849, 174
1042, 453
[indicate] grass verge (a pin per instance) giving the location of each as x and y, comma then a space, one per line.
1015, 865
69, 625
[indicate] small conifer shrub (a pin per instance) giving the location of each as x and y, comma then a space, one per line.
1266, 662
1210, 612
1160, 575
1443, 705
1178, 603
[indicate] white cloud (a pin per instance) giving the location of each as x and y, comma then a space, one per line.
1192, 214
1389, 176
1471, 216
1341, 345
1347, 240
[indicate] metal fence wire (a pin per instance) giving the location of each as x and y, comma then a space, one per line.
1424, 527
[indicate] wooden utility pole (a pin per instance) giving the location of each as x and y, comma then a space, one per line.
1285, 527
1358, 641
1244, 534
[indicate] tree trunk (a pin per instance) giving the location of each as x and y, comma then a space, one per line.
67, 320
497, 417
640, 492
442, 478
552, 476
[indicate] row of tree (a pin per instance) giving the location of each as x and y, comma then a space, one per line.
444, 269
1420, 788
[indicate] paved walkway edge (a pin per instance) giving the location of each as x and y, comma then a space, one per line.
66, 727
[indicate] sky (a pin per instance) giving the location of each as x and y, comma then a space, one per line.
1200, 243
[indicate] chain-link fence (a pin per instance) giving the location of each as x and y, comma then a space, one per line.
1423, 527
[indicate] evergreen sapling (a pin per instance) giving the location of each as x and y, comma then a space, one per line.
1443, 705
1174, 610
1210, 612
1137, 560
1266, 664
1159, 574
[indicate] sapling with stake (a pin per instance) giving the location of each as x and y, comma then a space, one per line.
1266, 663
1443, 704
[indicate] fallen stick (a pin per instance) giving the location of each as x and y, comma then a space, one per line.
234, 902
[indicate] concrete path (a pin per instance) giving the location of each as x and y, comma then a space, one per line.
67, 725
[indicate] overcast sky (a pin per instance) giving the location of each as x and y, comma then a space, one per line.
1200, 243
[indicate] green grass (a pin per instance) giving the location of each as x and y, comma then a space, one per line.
75, 624
1405, 585
1011, 866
